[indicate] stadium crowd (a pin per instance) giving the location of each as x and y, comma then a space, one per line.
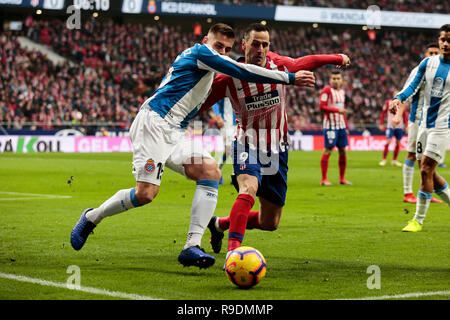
114, 67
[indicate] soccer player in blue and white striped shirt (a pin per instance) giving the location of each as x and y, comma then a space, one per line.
434, 128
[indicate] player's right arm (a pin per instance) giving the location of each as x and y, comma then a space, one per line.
209, 59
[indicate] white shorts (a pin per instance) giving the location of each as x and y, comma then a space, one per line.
184, 151
432, 142
156, 144
153, 140
413, 129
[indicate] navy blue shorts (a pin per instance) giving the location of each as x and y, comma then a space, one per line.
269, 168
397, 133
335, 138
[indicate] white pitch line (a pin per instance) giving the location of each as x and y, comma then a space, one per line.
31, 196
92, 290
405, 295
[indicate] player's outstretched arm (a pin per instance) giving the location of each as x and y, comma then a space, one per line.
310, 62
210, 60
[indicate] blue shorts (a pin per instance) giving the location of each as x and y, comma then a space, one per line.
270, 169
397, 133
335, 138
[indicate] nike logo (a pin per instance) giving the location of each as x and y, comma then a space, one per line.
239, 89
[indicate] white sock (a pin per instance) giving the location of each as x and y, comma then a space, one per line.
408, 175
122, 201
444, 193
203, 207
423, 202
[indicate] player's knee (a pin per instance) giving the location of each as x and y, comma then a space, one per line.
426, 171
145, 195
208, 170
411, 156
248, 188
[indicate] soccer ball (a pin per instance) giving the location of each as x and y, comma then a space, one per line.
245, 267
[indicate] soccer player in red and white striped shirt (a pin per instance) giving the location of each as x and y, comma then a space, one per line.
332, 103
392, 131
262, 133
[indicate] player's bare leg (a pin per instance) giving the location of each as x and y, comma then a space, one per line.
343, 166
324, 166
427, 184
121, 201
207, 175
270, 215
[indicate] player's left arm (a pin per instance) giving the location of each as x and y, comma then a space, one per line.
309, 62
209, 59
411, 89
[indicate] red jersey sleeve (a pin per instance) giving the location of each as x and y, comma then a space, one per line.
307, 62
325, 96
217, 93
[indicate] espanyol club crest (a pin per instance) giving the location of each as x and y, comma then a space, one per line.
151, 8
150, 166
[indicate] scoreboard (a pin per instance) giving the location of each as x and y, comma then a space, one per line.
97, 5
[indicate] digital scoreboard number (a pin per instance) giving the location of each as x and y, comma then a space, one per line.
97, 5
132, 6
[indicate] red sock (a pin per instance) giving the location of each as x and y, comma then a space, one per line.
396, 151
252, 222
238, 220
342, 166
324, 165
224, 223
386, 151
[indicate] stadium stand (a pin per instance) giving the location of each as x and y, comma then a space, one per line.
117, 66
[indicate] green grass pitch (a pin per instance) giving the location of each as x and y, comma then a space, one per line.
327, 238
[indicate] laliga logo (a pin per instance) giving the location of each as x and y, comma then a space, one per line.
151, 8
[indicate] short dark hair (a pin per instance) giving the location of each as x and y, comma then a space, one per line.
445, 27
222, 28
258, 27
336, 72
432, 45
